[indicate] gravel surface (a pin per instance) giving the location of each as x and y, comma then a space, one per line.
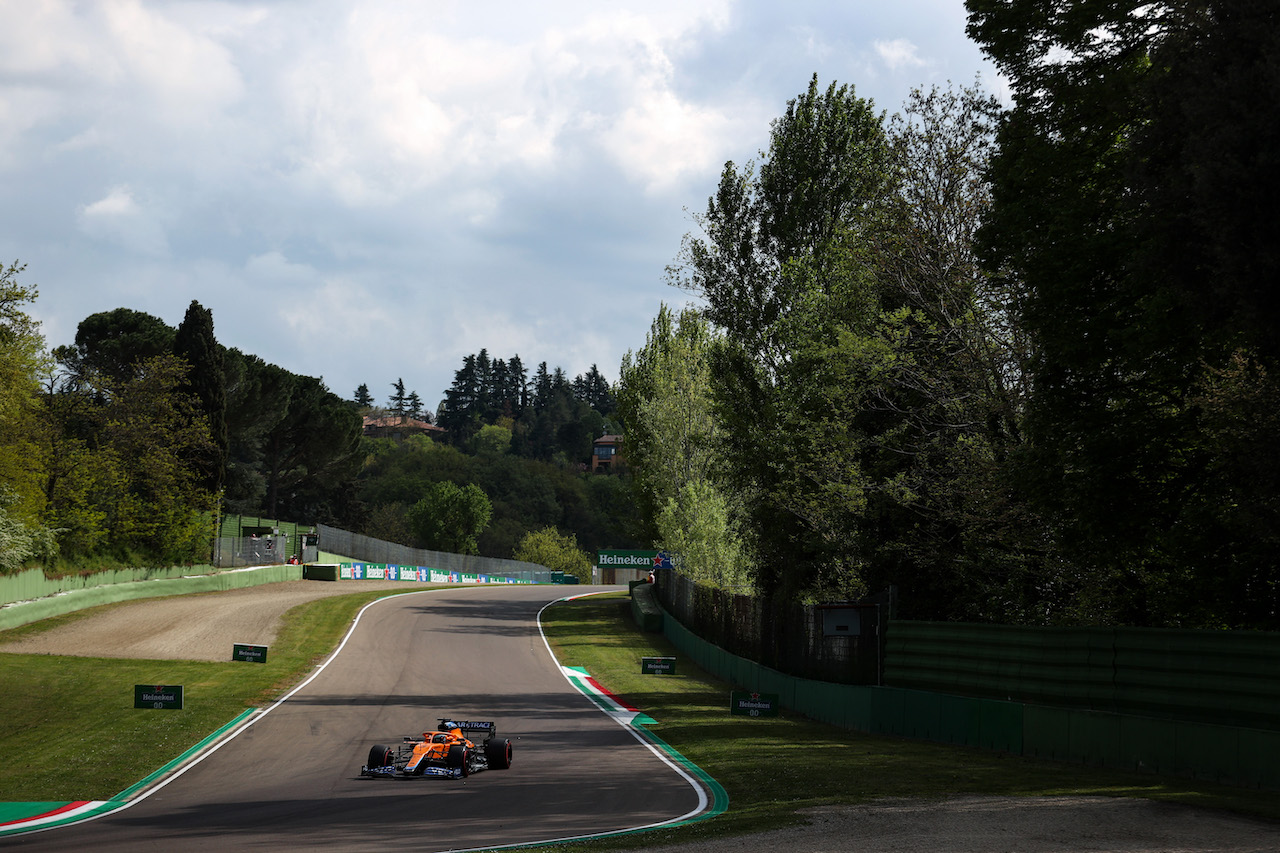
204, 627
188, 627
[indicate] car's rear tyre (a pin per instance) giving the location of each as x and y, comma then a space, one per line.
457, 759
381, 756
498, 752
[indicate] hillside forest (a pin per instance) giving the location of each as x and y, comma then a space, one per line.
143, 431
1014, 359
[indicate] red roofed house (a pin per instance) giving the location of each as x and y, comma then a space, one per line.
393, 426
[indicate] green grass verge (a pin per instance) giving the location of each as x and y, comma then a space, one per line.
70, 730
773, 768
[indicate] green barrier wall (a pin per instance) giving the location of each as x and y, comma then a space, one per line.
1230, 754
32, 583
1217, 677
55, 605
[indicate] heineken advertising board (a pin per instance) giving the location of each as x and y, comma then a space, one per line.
744, 704
633, 560
160, 697
658, 666
249, 652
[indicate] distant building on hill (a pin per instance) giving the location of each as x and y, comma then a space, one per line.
606, 453
394, 426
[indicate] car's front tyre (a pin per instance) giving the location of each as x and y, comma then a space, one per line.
458, 759
498, 754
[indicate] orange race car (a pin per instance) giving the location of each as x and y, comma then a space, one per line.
449, 751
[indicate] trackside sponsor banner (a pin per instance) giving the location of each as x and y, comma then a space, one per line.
159, 697
745, 704
633, 560
419, 574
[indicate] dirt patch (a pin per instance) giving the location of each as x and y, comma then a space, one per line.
189, 627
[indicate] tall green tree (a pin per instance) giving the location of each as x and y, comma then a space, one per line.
122, 481
311, 455
363, 399
23, 364
194, 343
451, 518
114, 343
784, 271
1133, 187
258, 396
671, 444
24, 430
558, 551
593, 389
399, 399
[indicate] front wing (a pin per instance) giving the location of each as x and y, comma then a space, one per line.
393, 771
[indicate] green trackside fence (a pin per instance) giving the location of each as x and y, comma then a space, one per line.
30, 596
1194, 703
1218, 677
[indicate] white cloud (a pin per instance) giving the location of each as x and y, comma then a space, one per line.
397, 104
117, 218
337, 177
117, 203
273, 267
898, 54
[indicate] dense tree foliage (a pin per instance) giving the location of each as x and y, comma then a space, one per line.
310, 456
120, 446
783, 271
549, 416
23, 363
672, 444
451, 518
206, 380
1136, 207
524, 494
555, 550
1019, 364
113, 343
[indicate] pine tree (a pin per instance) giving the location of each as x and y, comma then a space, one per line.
398, 399
206, 381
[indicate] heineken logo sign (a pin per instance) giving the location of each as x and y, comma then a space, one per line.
160, 697
658, 666
744, 704
633, 560
249, 652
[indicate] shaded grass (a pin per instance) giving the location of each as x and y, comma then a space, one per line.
71, 732
773, 768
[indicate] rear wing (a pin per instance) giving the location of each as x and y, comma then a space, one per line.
469, 727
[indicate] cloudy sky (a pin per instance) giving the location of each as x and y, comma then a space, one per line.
365, 190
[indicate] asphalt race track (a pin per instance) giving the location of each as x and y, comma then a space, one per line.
291, 779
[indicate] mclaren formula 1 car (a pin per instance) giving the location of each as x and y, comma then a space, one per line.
456, 749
